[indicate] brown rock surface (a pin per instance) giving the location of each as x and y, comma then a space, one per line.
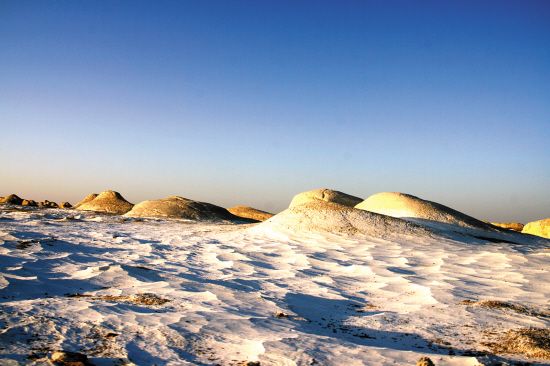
86, 199
247, 212
516, 226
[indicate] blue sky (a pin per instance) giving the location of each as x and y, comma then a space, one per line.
250, 102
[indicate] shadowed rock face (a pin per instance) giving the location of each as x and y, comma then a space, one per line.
30, 203
12, 199
403, 205
539, 228
182, 208
86, 199
516, 226
250, 213
327, 195
107, 201
65, 205
48, 204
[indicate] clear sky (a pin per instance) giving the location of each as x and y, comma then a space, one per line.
250, 102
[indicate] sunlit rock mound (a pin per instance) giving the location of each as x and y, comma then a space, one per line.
322, 216
86, 199
326, 195
65, 205
48, 204
247, 212
11, 199
515, 226
539, 228
406, 206
181, 208
108, 202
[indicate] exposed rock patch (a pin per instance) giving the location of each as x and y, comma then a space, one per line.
250, 213
30, 203
327, 195
107, 201
48, 204
531, 342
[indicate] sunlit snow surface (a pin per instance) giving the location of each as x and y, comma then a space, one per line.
250, 293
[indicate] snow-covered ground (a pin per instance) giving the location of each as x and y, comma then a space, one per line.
174, 292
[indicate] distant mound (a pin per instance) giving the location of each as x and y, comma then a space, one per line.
65, 205
48, 204
403, 205
516, 226
323, 216
12, 199
109, 202
182, 208
327, 195
30, 203
539, 228
250, 213
86, 199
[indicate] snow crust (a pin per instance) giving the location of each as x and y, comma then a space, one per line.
275, 292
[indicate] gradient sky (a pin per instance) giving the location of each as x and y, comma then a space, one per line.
250, 102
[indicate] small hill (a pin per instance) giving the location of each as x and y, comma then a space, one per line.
48, 204
12, 199
538, 228
86, 199
403, 205
181, 208
327, 195
322, 216
108, 202
515, 226
247, 212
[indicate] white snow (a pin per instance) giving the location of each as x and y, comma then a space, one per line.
67, 283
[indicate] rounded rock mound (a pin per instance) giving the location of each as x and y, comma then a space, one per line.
407, 206
326, 195
538, 228
12, 199
251, 213
181, 208
108, 202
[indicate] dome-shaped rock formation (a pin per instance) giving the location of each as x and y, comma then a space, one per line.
12, 199
250, 213
539, 228
65, 205
108, 202
403, 205
86, 199
182, 208
515, 226
327, 195
322, 216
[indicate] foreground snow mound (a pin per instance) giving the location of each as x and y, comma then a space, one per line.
181, 208
326, 195
330, 217
403, 205
107, 201
538, 228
